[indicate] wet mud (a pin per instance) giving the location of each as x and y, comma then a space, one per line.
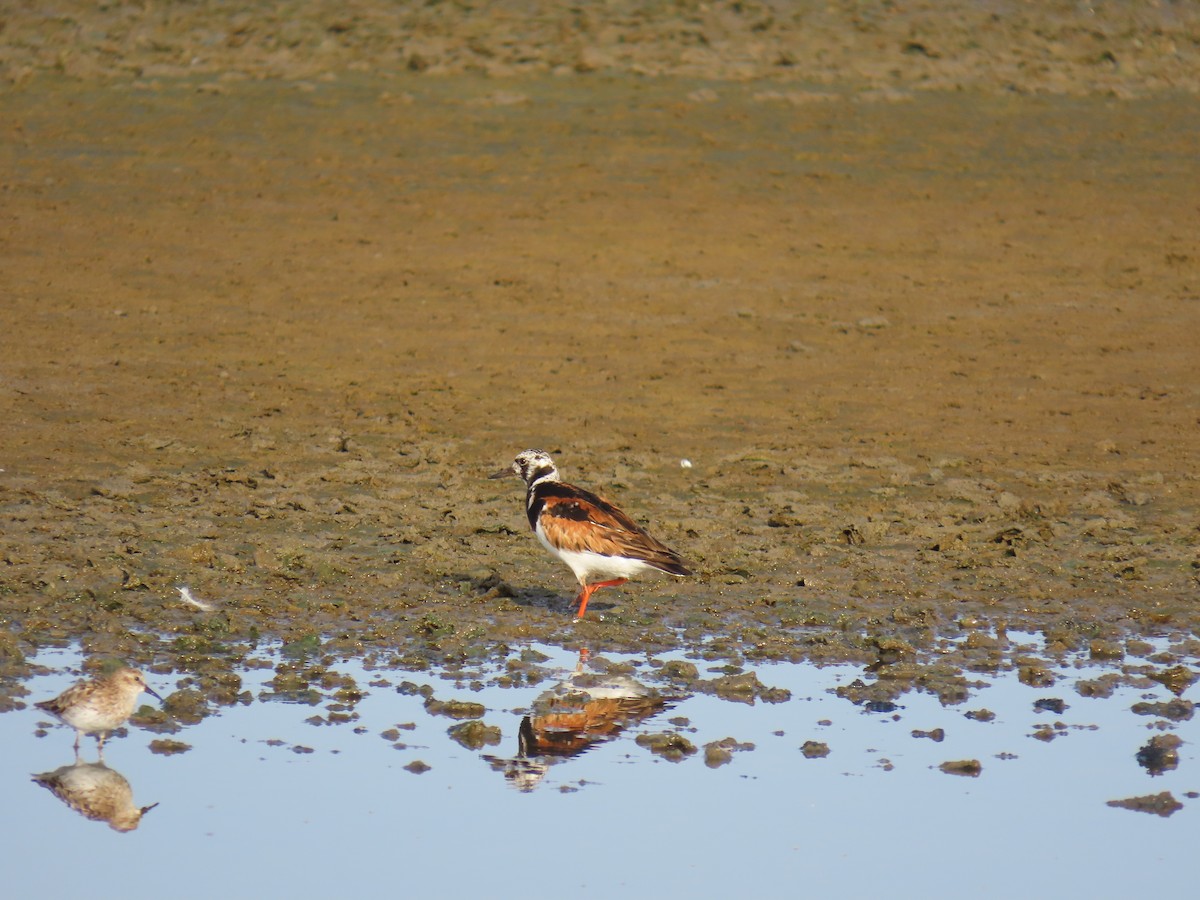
918, 313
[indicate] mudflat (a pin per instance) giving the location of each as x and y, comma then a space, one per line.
896, 347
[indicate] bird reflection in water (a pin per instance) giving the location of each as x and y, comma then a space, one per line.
584, 709
96, 792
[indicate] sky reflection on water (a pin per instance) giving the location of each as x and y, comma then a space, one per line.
271, 801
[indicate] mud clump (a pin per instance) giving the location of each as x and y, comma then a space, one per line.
1160, 754
670, 746
1050, 704
1098, 687
474, 735
1176, 709
968, 767
814, 749
1035, 675
159, 721
455, 709
877, 696
1163, 804
743, 688
1106, 650
718, 753
937, 735
1176, 679
186, 706
892, 650
1047, 733
417, 767
167, 747
12, 660
289, 686
679, 671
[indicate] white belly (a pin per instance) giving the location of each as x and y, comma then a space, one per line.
589, 567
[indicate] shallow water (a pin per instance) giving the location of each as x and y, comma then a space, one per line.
267, 802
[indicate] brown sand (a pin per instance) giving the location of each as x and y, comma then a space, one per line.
917, 295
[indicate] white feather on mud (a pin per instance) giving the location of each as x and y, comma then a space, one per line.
185, 594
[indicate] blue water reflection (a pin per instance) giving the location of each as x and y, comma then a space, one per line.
405, 782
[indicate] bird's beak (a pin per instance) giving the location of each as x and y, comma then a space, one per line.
503, 473
153, 693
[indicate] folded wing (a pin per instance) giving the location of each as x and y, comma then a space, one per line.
578, 520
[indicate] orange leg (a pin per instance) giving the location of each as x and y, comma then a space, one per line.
588, 589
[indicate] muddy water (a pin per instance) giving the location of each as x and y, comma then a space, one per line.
613, 773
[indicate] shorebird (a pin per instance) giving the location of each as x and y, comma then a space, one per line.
100, 705
601, 544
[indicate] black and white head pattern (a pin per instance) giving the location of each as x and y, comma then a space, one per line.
534, 466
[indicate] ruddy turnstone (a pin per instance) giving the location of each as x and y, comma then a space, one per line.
601, 544
100, 705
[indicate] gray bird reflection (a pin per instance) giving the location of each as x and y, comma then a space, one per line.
96, 792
